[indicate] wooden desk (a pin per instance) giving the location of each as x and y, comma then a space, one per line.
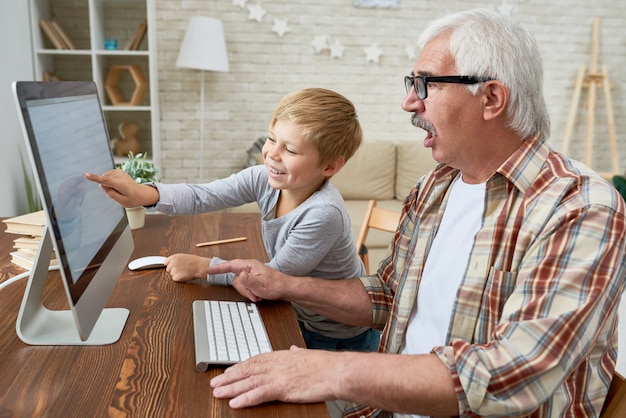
150, 372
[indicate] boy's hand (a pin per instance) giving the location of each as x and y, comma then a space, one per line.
120, 187
185, 267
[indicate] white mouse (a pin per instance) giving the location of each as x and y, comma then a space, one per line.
148, 262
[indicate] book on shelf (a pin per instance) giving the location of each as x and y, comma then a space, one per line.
29, 224
56, 35
67, 42
26, 259
134, 42
47, 28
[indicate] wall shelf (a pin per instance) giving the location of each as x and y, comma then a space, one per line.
88, 23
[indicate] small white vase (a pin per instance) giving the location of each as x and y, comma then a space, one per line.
136, 217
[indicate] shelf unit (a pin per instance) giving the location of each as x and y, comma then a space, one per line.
87, 23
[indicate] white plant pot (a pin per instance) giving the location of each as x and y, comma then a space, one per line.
136, 217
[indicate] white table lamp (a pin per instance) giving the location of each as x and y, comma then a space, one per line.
203, 48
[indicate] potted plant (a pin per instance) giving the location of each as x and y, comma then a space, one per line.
142, 171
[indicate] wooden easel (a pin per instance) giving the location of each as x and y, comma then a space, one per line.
592, 80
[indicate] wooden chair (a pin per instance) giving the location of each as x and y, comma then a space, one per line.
377, 218
615, 403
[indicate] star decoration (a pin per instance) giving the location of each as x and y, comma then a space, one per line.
373, 53
256, 12
319, 43
280, 27
336, 50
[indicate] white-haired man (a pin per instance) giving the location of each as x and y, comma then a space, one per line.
499, 296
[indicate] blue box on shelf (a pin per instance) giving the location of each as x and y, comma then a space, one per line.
110, 44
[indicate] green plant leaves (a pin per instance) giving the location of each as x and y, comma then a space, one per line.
620, 184
32, 197
139, 168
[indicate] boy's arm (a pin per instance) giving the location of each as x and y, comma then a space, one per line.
344, 300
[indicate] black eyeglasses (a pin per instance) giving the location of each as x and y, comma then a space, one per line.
420, 82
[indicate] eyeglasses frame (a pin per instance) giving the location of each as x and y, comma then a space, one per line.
454, 79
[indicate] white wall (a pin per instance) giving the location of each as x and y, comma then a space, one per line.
265, 66
16, 56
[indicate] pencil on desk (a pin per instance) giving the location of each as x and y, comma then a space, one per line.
221, 241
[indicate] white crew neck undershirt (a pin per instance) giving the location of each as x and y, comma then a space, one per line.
445, 268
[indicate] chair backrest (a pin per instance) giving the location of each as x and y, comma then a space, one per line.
377, 218
615, 403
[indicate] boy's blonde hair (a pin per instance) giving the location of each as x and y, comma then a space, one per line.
326, 118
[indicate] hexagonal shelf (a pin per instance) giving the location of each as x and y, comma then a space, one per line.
112, 88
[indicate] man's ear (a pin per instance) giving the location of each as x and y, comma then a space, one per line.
495, 99
330, 169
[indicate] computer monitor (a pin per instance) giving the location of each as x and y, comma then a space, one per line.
66, 136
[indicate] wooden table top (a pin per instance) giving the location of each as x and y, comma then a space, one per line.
150, 371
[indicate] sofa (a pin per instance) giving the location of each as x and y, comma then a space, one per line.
384, 171
381, 170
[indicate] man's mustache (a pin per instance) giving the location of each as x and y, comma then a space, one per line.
418, 122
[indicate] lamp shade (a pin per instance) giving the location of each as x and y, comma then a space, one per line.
203, 47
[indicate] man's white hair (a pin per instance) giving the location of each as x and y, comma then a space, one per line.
485, 43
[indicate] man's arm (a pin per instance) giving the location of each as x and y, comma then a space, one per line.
417, 384
344, 300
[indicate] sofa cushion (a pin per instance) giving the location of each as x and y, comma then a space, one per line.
370, 173
414, 160
252, 207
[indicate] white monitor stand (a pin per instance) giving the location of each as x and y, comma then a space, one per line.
38, 325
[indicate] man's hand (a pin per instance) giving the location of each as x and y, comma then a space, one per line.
418, 384
296, 375
255, 280
120, 187
185, 267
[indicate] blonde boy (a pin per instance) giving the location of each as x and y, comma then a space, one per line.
306, 228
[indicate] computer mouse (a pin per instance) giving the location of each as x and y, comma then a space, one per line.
148, 262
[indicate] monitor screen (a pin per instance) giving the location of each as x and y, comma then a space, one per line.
66, 137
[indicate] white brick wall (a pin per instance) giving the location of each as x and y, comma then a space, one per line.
265, 67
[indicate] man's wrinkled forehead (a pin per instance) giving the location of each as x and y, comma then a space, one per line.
435, 58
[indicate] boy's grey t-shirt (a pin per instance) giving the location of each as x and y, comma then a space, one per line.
315, 239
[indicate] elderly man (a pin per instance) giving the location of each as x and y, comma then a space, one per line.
499, 296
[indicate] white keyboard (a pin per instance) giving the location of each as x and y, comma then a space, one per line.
227, 332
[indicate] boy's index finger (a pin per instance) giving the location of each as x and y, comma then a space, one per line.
94, 177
